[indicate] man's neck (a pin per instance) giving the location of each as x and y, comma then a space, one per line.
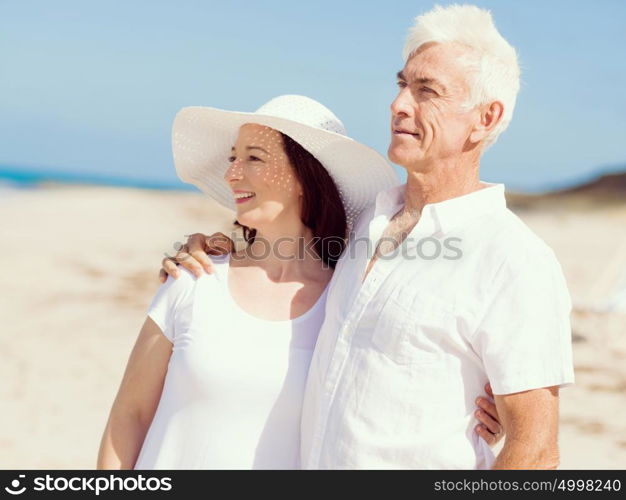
438, 183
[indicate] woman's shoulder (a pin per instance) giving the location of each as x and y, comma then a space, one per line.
183, 283
182, 289
188, 278
220, 260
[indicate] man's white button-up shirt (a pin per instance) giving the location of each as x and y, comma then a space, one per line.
472, 295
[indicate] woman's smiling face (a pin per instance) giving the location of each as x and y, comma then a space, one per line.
263, 181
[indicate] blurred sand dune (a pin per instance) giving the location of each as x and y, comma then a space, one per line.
81, 264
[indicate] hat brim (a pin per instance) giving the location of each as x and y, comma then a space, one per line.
202, 138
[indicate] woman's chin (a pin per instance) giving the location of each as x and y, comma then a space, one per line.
247, 218
243, 220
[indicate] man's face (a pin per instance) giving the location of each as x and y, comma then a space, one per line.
428, 120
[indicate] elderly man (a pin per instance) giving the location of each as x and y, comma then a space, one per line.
412, 333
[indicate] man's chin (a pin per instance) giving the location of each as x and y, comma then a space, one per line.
400, 157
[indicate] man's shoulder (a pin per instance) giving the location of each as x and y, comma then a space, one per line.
520, 234
516, 245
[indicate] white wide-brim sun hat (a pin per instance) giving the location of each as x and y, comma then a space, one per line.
202, 138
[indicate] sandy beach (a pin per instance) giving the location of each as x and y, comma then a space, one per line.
81, 264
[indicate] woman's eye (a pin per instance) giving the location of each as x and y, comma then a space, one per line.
254, 158
231, 159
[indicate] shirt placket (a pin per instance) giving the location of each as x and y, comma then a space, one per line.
380, 270
369, 288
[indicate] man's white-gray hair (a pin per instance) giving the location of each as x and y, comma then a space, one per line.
493, 61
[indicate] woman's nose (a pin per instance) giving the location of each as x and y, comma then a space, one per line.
234, 172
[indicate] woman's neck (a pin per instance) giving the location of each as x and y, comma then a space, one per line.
284, 254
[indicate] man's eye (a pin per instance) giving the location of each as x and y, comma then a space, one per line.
401, 84
428, 90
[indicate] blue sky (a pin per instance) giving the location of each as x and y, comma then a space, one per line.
93, 86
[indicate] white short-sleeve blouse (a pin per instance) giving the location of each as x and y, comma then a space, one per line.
233, 392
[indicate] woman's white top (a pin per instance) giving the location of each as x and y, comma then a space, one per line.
233, 392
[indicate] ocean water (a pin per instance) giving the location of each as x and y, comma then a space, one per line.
12, 178
16, 178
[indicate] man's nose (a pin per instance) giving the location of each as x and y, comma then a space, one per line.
403, 104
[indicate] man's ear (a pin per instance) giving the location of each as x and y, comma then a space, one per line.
490, 116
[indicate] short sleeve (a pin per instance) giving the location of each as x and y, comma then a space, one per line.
168, 305
524, 338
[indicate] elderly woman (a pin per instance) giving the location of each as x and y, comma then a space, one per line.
217, 375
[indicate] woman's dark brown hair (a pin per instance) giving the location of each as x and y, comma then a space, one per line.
322, 209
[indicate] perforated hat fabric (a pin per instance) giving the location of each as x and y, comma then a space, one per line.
202, 138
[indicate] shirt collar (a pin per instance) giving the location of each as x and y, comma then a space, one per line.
389, 201
448, 214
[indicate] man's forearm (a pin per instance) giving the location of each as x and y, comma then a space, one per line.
531, 422
516, 454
